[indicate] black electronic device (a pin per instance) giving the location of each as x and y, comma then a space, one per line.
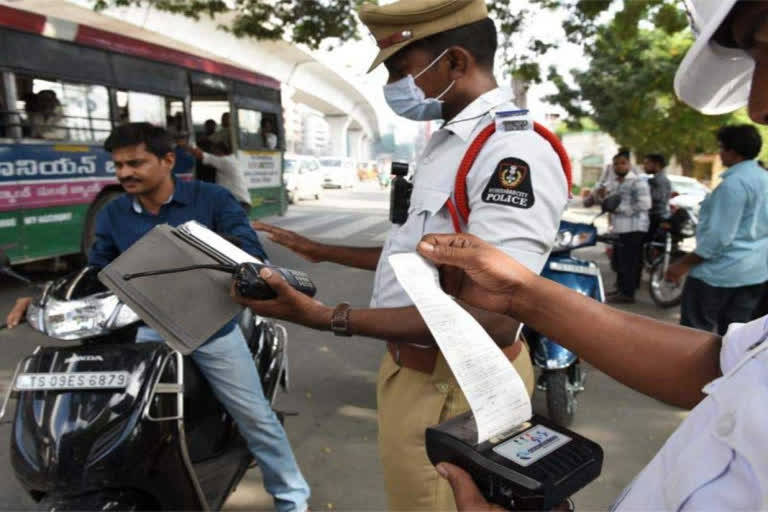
249, 283
400, 194
246, 278
537, 465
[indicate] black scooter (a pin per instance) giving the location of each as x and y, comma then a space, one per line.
115, 425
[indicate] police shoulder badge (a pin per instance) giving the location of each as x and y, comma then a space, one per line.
510, 184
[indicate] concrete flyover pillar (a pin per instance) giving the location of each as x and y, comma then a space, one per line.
355, 145
338, 126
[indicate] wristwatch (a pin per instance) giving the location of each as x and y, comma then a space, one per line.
340, 320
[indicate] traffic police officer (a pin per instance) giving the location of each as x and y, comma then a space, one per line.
439, 54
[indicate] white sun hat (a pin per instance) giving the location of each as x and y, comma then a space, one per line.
713, 79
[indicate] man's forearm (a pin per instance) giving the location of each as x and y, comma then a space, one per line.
405, 325
662, 360
366, 258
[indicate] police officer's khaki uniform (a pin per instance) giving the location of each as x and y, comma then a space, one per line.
517, 193
411, 400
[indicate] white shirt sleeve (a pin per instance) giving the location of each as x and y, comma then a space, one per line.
517, 194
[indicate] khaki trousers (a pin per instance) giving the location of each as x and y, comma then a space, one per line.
408, 402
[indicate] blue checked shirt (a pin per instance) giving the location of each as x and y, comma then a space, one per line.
732, 235
632, 213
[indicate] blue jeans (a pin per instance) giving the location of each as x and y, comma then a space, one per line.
228, 366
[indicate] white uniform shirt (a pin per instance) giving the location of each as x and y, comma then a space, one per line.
527, 234
718, 458
229, 176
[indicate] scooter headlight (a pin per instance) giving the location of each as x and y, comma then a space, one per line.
562, 240
567, 240
35, 316
83, 318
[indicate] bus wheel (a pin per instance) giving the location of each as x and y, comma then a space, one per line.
89, 230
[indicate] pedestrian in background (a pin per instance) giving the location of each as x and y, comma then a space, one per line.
730, 264
661, 189
630, 222
608, 183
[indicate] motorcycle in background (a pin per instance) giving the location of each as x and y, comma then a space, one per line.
110, 424
664, 249
562, 375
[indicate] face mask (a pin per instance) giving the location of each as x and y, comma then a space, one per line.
408, 100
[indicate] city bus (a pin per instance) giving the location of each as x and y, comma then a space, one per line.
62, 91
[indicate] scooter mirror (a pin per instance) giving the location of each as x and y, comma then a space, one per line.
610, 203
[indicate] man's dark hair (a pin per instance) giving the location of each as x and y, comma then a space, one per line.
657, 158
743, 139
156, 139
478, 38
623, 153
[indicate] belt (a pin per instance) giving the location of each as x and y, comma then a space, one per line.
423, 359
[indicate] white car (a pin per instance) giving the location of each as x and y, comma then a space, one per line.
338, 172
302, 176
687, 192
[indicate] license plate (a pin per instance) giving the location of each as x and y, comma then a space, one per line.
76, 380
574, 269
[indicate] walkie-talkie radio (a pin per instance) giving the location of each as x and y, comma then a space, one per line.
246, 278
400, 194
537, 465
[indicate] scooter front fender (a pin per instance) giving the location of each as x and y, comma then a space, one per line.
587, 281
548, 354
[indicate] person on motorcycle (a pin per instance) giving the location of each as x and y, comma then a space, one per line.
716, 459
144, 159
661, 190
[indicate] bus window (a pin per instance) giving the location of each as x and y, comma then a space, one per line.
136, 107
56, 110
212, 124
257, 130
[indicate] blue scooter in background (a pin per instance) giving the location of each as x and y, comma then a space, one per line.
561, 373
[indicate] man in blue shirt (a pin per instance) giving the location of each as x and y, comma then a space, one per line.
730, 262
144, 159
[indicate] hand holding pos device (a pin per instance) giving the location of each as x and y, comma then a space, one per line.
536, 465
246, 278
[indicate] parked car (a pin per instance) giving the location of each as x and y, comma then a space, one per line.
338, 172
687, 192
303, 177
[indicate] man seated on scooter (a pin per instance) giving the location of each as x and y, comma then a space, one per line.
144, 159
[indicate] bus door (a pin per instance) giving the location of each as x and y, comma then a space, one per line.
260, 143
211, 118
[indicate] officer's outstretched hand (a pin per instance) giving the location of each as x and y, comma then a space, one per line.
488, 267
465, 492
301, 245
289, 305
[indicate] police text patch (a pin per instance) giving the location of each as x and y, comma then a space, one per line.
510, 184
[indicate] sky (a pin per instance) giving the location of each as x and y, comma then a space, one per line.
353, 58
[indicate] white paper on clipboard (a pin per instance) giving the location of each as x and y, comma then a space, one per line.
493, 388
214, 242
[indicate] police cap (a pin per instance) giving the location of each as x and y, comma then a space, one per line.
396, 25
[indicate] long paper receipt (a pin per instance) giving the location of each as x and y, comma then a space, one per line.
493, 388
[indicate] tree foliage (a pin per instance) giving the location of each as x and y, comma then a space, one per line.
312, 22
634, 50
303, 21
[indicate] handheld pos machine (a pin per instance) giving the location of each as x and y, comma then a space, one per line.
536, 465
519, 461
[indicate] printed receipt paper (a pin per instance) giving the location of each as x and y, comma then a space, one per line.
493, 387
